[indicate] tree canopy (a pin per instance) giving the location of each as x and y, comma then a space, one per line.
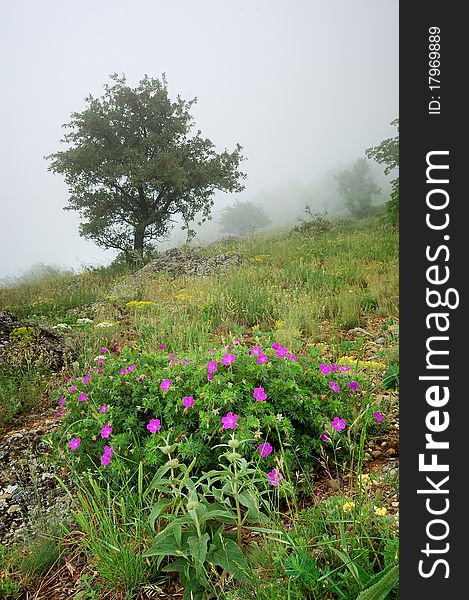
134, 164
387, 153
357, 187
243, 217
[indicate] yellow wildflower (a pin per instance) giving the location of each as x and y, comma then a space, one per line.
138, 304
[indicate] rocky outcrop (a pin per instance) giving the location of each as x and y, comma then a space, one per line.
176, 263
20, 340
31, 497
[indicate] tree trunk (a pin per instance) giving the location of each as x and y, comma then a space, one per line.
139, 233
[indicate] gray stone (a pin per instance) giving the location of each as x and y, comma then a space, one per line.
39, 344
175, 263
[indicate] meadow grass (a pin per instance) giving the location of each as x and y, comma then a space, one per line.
308, 291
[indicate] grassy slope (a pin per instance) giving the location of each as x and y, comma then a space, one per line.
306, 288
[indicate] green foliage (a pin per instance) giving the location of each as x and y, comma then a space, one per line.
43, 554
314, 223
387, 153
198, 511
357, 187
299, 406
336, 549
381, 584
391, 377
19, 390
116, 529
243, 217
133, 163
10, 587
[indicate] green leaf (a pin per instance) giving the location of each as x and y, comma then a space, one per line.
177, 530
248, 500
158, 509
382, 584
223, 515
164, 544
228, 555
157, 480
198, 547
180, 565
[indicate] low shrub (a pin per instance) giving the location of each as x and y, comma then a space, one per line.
134, 405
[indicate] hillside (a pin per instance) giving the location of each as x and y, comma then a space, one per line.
312, 304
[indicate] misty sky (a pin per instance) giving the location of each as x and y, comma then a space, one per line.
303, 85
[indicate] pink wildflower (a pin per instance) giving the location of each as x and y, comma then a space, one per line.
212, 366
259, 394
106, 431
229, 421
165, 384
274, 477
74, 443
338, 424
265, 449
281, 352
154, 425
228, 359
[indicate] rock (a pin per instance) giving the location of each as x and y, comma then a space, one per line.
24, 341
175, 263
29, 491
333, 484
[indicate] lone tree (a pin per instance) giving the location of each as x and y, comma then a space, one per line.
387, 153
134, 164
243, 217
357, 187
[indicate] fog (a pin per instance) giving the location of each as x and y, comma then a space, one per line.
304, 86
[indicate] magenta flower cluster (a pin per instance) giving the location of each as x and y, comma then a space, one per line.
106, 457
165, 385
229, 421
326, 369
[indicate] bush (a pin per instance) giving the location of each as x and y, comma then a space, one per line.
136, 405
243, 217
314, 223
